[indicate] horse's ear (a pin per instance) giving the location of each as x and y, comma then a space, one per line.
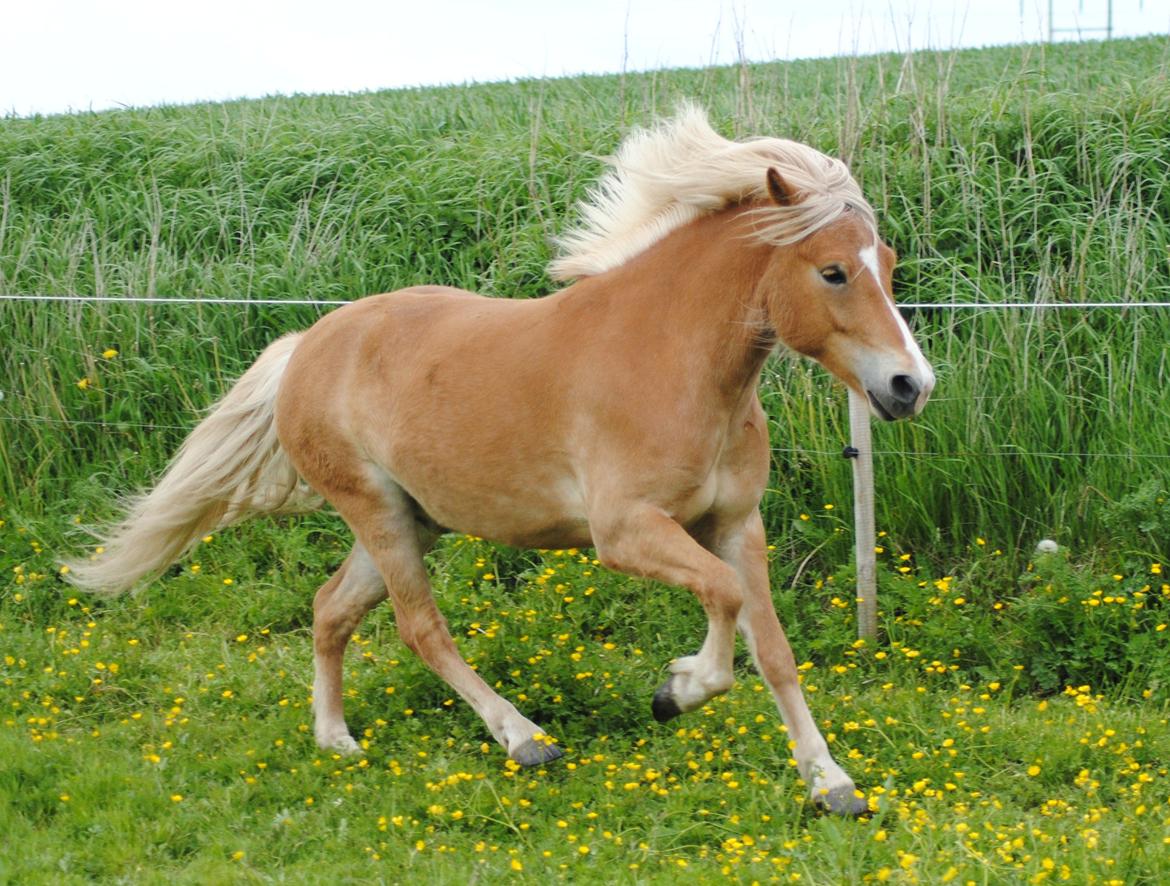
778, 189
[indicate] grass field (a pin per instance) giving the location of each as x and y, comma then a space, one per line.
1009, 727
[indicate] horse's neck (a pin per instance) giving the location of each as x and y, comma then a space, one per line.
693, 298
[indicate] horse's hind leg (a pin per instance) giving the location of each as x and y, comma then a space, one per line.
425, 631
395, 544
339, 606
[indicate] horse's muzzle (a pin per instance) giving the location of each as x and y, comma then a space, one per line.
902, 399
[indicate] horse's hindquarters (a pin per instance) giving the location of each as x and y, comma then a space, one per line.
444, 395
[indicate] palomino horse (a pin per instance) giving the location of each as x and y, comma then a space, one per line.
619, 413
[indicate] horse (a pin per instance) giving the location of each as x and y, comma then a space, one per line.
618, 413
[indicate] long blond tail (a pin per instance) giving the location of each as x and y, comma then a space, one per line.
230, 467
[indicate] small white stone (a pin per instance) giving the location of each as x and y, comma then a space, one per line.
1047, 546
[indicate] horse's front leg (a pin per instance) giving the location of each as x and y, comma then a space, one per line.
831, 788
647, 542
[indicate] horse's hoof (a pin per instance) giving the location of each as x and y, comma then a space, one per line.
842, 801
664, 706
341, 744
536, 753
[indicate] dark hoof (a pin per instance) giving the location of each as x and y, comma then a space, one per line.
536, 753
842, 801
664, 706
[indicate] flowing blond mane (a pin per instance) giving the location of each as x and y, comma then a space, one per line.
664, 177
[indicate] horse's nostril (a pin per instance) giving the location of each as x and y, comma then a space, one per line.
905, 389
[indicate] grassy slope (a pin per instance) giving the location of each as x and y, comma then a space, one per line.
1000, 175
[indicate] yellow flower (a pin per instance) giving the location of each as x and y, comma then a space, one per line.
110, 353
176, 798
238, 855
1033, 770
83, 383
516, 865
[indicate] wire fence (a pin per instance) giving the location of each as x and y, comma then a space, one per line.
1006, 452
860, 449
308, 302
180, 300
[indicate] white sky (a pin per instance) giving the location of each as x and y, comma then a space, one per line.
59, 55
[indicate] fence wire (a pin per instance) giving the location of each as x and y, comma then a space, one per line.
788, 450
325, 303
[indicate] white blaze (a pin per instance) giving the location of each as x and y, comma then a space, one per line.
869, 258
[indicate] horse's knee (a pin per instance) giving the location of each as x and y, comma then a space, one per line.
721, 594
726, 598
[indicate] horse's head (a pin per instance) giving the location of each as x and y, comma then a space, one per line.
828, 297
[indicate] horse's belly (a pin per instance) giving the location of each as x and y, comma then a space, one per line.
533, 512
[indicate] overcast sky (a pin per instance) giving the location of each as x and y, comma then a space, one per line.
60, 55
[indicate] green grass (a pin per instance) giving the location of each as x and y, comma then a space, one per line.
168, 735
1010, 726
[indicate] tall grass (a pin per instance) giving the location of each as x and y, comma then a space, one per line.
1000, 175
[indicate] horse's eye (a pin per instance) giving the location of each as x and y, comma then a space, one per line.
834, 275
